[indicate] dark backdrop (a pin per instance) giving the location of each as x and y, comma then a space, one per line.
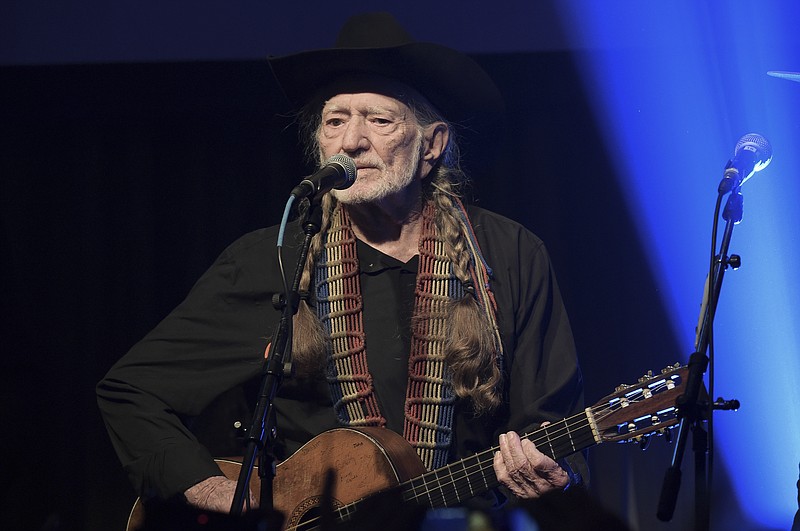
122, 183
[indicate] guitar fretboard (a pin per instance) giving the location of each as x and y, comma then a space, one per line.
474, 475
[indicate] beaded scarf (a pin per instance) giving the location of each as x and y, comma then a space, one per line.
430, 397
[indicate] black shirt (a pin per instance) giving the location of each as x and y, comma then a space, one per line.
387, 288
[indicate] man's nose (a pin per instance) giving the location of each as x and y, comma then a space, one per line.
355, 136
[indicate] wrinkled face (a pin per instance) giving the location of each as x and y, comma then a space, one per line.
381, 135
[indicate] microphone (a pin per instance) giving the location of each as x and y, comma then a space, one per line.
338, 172
752, 153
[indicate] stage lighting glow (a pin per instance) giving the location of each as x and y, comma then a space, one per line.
677, 85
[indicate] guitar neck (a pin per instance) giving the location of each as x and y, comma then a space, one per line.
456, 482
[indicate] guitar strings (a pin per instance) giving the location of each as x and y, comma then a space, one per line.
558, 441
577, 423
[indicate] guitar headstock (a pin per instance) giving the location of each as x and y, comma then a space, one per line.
647, 407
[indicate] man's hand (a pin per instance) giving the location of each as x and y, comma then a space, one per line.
215, 494
526, 471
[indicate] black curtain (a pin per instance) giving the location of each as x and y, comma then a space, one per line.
121, 183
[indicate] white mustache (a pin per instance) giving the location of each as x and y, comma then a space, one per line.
365, 163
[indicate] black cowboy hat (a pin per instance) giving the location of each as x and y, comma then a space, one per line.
376, 44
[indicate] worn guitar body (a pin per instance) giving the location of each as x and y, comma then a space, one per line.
365, 461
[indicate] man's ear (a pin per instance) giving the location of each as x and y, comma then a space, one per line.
434, 140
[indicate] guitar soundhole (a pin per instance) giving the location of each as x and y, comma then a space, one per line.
308, 514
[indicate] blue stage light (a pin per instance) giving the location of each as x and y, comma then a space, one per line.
676, 85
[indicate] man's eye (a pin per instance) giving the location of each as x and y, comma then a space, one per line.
334, 122
381, 121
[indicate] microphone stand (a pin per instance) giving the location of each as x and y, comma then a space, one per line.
263, 431
691, 410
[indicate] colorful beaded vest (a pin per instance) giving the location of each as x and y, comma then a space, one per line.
430, 397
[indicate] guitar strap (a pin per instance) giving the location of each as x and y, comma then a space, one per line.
430, 397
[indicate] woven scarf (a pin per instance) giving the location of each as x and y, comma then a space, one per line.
430, 397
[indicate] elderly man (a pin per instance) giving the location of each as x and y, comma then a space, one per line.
454, 334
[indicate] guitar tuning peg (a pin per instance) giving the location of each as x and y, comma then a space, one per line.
648, 375
620, 387
644, 443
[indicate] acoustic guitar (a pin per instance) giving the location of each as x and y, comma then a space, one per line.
365, 462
